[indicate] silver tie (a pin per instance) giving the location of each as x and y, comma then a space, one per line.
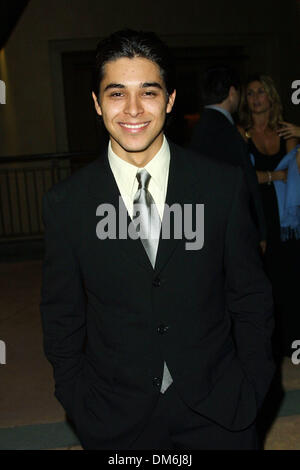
148, 224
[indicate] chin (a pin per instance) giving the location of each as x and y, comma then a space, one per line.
135, 148
132, 147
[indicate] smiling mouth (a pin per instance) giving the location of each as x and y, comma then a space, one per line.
134, 126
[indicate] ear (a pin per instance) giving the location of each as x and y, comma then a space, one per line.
171, 101
231, 91
97, 105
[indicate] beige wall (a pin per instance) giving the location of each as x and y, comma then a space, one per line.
29, 120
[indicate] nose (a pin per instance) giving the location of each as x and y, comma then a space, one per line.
133, 105
253, 98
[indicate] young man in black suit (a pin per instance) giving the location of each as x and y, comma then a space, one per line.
216, 135
157, 341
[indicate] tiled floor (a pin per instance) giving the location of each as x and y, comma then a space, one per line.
26, 390
27, 396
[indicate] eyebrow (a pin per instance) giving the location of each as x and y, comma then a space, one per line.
151, 84
114, 85
143, 85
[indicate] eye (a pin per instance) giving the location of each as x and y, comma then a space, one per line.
116, 94
150, 93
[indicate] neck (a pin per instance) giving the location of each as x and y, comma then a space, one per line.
138, 158
224, 106
260, 121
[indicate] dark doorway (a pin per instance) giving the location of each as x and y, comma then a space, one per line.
85, 130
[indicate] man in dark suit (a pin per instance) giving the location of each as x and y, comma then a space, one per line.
216, 135
159, 339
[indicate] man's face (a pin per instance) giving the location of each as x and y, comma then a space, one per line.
133, 103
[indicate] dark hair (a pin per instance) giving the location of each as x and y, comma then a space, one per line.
130, 44
216, 83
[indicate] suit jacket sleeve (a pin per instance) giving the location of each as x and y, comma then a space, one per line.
248, 294
62, 308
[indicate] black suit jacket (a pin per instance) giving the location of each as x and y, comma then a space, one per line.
102, 305
216, 137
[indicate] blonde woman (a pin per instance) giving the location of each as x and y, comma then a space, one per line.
260, 116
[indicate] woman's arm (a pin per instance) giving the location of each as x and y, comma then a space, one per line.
291, 144
288, 130
269, 176
298, 158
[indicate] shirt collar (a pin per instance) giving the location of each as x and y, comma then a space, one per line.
221, 110
125, 172
159, 165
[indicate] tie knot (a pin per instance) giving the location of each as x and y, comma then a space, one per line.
143, 178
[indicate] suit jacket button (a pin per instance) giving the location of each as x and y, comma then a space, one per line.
157, 282
157, 382
162, 329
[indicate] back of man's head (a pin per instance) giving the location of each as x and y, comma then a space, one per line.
216, 84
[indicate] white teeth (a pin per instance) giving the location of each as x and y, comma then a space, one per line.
134, 126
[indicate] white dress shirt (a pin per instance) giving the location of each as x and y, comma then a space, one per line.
125, 176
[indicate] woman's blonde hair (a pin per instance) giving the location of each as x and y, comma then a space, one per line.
275, 116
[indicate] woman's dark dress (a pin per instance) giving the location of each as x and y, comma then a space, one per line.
282, 259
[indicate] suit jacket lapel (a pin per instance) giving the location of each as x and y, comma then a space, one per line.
103, 188
181, 190
182, 186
